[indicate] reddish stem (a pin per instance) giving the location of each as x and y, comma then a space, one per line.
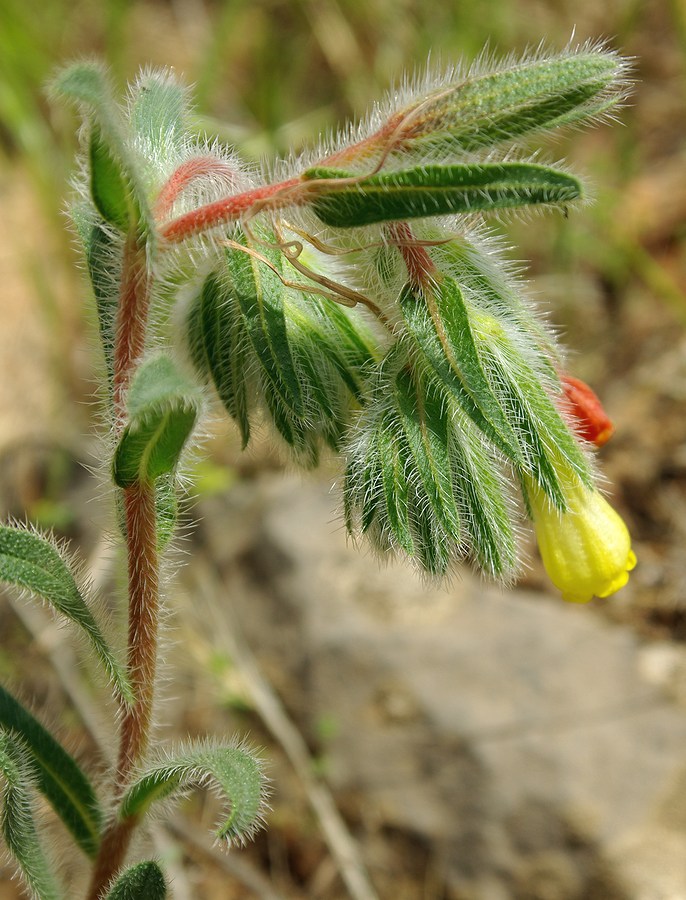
143, 569
420, 266
185, 174
132, 316
228, 209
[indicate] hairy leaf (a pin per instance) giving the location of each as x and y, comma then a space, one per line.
104, 270
32, 563
18, 824
158, 109
438, 322
486, 108
220, 349
235, 772
56, 773
144, 881
163, 408
259, 293
116, 165
423, 415
108, 187
437, 190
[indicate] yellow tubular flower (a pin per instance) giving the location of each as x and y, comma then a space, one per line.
586, 551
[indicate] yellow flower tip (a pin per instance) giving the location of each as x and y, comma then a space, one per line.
586, 550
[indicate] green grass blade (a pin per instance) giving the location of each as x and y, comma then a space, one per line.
33, 564
56, 774
144, 881
18, 824
233, 771
437, 190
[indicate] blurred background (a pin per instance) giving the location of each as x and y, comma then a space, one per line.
467, 743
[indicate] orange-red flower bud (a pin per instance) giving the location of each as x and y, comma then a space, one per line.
591, 421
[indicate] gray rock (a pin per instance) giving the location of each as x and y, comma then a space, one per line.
520, 736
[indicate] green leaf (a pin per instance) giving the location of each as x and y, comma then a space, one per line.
104, 269
167, 510
437, 190
163, 408
32, 563
56, 774
18, 825
114, 166
393, 463
234, 771
220, 348
438, 321
423, 415
144, 881
484, 109
157, 110
108, 187
259, 293
479, 485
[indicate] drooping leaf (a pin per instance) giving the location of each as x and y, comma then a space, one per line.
144, 881
56, 774
547, 443
104, 269
423, 415
394, 478
481, 492
220, 347
259, 293
163, 408
233, 771
437, 190
32, 563
18, 822
438, 322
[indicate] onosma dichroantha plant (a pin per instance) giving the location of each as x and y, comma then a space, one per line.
351, 299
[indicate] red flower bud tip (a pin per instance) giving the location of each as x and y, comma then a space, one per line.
591, 420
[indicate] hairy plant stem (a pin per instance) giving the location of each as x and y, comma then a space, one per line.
143, 569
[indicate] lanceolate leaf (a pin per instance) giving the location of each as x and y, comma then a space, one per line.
163, 408
108, 188
18, 825
113, 164
259, 292
104, 271
158, 109
424, 418
487, 108
56, 774
438, 322
32, 563
437, 190
220, 347
144, 881
232, 770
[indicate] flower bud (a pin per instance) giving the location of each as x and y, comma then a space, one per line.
586, 550
591, 421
